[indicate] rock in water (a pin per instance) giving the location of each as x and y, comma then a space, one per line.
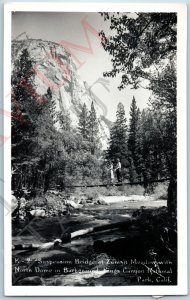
14, 203
72, 204
34, 280
37, 213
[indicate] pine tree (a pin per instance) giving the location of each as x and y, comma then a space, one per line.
64, 120
50, 104
83, 123
144, 147
132, 140
118, 137
47, 116
133, 123
93, 129
151, 163
25, 108
46, 137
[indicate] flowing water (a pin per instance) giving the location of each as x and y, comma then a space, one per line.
83, 261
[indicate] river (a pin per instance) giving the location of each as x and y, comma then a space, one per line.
102, 258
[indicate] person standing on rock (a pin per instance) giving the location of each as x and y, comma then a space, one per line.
118, 170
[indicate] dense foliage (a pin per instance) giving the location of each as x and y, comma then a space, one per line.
118, 137
43, 155
137, 146
140, 44
143, 50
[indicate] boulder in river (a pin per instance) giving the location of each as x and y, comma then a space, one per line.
14, 203
71, 203
33, 280
101, 202
38, 213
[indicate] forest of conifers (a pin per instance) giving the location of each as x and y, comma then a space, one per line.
145, 141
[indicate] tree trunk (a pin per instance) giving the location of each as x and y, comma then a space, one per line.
172, 196
46, 181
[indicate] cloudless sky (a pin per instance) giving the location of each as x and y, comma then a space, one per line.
58, 26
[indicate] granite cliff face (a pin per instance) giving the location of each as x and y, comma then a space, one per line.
54, 67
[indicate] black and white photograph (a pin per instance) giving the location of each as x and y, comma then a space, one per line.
94, 166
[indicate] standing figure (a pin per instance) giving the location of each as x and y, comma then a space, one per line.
118, 170
111, 172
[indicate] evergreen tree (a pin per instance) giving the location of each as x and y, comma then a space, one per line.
50, 105
151, 164
64, 120
47, 139
144, 146
93, 129
132, 140
47, 116
164, 108
26, 111
83, 123
25, 108
118, 137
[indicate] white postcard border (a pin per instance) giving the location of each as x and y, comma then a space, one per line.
181, 287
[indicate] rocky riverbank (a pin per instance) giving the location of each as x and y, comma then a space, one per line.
55, 203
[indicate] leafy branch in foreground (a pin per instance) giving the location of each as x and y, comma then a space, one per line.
141, 44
